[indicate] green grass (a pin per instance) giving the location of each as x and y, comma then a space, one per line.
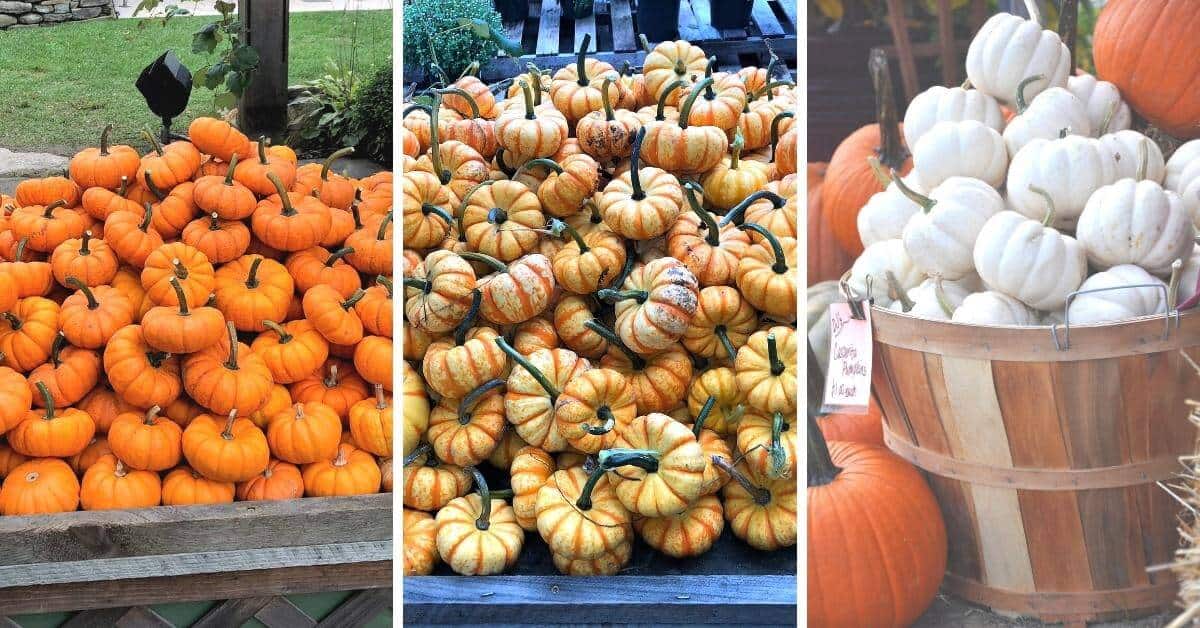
60, 85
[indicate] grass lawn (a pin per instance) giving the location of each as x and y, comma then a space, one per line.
60, 85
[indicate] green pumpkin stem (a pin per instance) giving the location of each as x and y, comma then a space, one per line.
709, 94
424, 449
636, 360
485, 499
736, 214
660, 112
607, 294
610, 459
735, 149
381, 233
85, 240
528, 95
232, 362
897, 292
462, 206
337, 154
354, 298
154, 143
284, 199
460, 332
698, 425
56, 347
821, 469
48, 399
777, 365
713, 232
541, 161
181, 296
19, 252
769, 88
472, 398
104, 140
1023, 104
483, 258
465, 96
429, 208
761, 496
74, 282
777, 452
605, 414
386, 282
252, 275
686, 110
581, 60
284, 336
419, 284
558, 227
723, 335
337, 255
533, 371
13, 322
605, 101
635, 161
147, 217
435, 142
775, 130
233, 161
780, 266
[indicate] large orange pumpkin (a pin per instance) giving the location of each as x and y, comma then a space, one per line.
1148, 49
876, 540
850, 180
826, 257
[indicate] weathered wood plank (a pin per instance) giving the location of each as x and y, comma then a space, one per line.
164, 530
193, 563
626, 599
586, 26
263, 106
514, 31
695, 23
622, 27
765, 19
199, 587
789, 9
232, 612
946, 39
281, 613
142, 617
547, 42
99, 618
359, 609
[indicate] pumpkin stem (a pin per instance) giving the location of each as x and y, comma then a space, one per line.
497, 216
877, 169
896, 292
777, 365
153, 141
780, 266
214, 222
821, 470
56, 347
354, 298
595, 217
179, 294
1173, 284
381, 234
460, 332
156, 358
465, 96
424, 449
13, 321
48, 211
462, 206
777, 453
606, 294
179, 269
252, 276
1023, 104
19, 253
636, 360
262, 149
153, 187
635, 160
147, 217
605, 101
1143, 160
892, 152
610, 459
337, 255
229, 173
739, 142
48, 399
535, 82
581, 59
558, 227
104, 140
485, 499
541, 161
736, 214
769, 88
1049, 218
284, 199
923, 201
227, 433
386, 282
660, 112
74, 282
1108, 117
723, 335
336, 155
644, 42
533, 371
232, 362
698, 425
428, 208
484, 258
381, 402
419, 284
124, 186
709, 94
84, 248
775, 130
940, 294
471, 399
713, 235
528, 95
604, 413
686, 109
761, 496
152, 415
284, 336
331, 380
354, 213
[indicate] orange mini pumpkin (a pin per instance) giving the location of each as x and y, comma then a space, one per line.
711, 252
27, 332
466, 431
292, 351
109, 485
340, 389
371, 423
533, 132
105, 166
641, 203
224, 196
171, 165
252, 289
280, 480
655, 305
220, 240
46, 191
132, 236
146, 441
593, 409
607, 134
767, 274
289, 221
233, 450
38, 487
138, 373
373, 360
188, 265
332, 189
185, 487
181, 329
59, 433
515, 292
683, 149
218, 138
316, 265
16, 399
332, 316
47, 226
227, 377
256, 174
723, 322
305, 433
352, 471
69, 374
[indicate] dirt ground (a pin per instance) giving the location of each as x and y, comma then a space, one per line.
951, 612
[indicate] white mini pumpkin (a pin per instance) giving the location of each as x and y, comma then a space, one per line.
1189, 275
1106, 110
949, 104
1069, 169
1028, 260
1135, 222
1008, 49
875, 262
1119, 303
1126, 148
1183, 177
961, 149
1054, 112
931, 301
940, 239
994, 308
886, 212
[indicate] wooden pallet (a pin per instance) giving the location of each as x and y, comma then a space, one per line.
555, 36
115, 564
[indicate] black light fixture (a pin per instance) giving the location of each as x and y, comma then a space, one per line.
166, 84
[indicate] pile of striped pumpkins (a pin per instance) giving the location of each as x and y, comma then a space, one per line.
204, 322
600, 282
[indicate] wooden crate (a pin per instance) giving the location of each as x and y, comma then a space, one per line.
731, 584
555, 36
115, 564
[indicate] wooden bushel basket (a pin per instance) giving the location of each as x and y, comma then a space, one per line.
1044, 459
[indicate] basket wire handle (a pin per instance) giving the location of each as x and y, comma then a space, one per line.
1172, 312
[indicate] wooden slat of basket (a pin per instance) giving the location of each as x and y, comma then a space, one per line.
765, 19
547, 41
622, 27
695, 25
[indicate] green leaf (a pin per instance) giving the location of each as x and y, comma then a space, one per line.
236, 82
204, 41
215, 75
245, 58
224, 8
510, 48
479, 27
225, 100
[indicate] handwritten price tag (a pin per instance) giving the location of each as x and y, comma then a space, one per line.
848, 381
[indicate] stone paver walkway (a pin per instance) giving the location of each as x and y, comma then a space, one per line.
125, 8
17, 166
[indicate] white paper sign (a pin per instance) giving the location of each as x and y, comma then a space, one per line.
848, 380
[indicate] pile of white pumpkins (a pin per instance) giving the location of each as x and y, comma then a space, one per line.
999, 222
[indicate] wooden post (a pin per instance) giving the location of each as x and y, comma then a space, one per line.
263, 110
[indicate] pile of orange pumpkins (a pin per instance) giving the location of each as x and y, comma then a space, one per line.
202, 323
600, 282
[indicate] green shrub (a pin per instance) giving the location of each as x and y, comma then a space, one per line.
372, 116
427, 42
